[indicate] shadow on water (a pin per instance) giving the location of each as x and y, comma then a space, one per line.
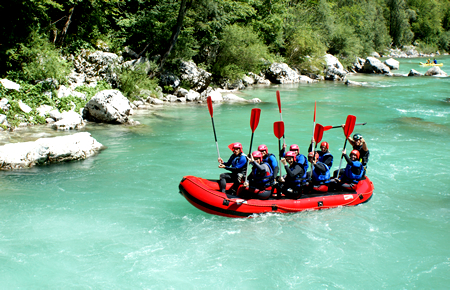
419, 124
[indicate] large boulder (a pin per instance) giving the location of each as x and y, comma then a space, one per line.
374, 65
334, 70
197, 78
436, 71
281, 73
48, 150
69, 121
392, 63
108, 106
414, 73
91, 67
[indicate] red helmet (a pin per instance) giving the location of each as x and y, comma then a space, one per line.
356, 153
325, 144
262, 147
235, 145
257, 154
291, 154
294, 147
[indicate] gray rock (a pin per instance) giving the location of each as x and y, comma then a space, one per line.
181, 100
332, 61
48, 150
353, 83
10, 85
108, 106
198, 78
192, 96
64, 92
170, 98
43, 110
436, 71
169, 79
2, 119
24, 107
375, 54
281, 73
138, 103
374, 65
4, 104
55, 114
392, 63
69, 121
182, 92
50, 120
414, 73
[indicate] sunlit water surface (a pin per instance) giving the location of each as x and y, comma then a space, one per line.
117, 221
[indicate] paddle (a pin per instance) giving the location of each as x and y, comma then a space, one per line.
254, 121
312, 141
326, 128
318, 134
278, 130
348, 129
281, 116
210, 108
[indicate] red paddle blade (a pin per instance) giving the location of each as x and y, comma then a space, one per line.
349, 125
318, 133
278, 129
254, 118
210, 107
279, 101
326, 128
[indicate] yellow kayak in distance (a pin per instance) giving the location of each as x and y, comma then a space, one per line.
431, 64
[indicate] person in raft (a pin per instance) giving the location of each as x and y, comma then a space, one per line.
291, 185
428, 61
237, 164
259, 180
358, 143
270, 159
300, 158
320, 173
434, 61
324, 153
353, 172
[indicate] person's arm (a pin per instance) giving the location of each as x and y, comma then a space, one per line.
327, 159
292, 172
241, 163
364, 144
320, 166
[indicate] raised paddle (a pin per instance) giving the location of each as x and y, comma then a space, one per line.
254, 121
318, 134
326, 128
348, 129
312, 141
281, 116
278, 130
210, 108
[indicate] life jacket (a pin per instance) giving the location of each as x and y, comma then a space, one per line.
236, 160
262, 180
350, 175
321, 177
299, 179
266, 160
321, 158
302, 161
363, 155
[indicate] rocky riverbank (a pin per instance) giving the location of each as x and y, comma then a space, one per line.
190, 85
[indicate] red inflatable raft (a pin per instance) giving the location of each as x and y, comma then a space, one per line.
204, 194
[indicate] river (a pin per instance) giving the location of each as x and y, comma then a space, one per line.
117, 221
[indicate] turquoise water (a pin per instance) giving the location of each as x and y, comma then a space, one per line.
117, 221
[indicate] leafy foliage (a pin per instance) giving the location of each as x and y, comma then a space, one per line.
133, 81
241, 51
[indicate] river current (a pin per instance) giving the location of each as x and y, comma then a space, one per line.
117, 220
